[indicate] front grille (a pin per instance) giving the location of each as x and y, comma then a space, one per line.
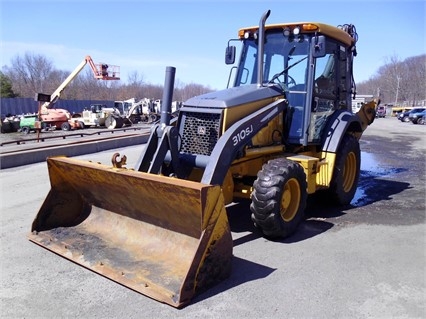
200, 133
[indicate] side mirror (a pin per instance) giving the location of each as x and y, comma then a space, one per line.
318, 46
230, 54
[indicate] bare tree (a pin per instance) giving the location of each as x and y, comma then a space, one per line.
29, 74
398, 82
415, 79
134, 79
32, 74
193, 89
133, 89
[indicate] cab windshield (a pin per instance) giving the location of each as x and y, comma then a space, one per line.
285, 61
315, 85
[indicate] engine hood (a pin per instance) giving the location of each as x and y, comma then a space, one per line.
233, 96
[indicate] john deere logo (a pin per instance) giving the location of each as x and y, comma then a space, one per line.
201, 130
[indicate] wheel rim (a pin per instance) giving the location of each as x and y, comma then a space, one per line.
349, 172
111, 123
290, 200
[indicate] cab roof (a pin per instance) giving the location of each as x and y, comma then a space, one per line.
306, 27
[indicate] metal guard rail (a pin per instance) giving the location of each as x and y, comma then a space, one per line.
43, 139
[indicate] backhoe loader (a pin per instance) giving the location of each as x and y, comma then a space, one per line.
284, 129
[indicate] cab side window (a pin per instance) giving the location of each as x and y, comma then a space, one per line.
325, 100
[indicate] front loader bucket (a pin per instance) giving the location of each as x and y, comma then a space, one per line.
163, 237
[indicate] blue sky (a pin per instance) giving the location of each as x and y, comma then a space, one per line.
147, 36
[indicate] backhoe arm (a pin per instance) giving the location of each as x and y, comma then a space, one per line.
367, 113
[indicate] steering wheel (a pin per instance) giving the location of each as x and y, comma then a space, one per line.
292, 81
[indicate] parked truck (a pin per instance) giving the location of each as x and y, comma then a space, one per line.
283, 130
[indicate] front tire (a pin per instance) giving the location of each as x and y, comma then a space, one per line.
279, 198
65, 126
112, 122
346, 171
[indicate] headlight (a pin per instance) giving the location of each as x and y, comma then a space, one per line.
296, 30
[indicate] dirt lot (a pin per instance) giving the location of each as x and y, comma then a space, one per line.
366, 260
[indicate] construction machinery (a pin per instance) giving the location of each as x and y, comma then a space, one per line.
60, 117
283, 130
95, 115
28, 123
49, 122
131, 112
145, 110
127, 107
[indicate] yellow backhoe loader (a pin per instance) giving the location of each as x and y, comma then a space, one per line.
283, 130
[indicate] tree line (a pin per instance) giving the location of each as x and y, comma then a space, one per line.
395, 82
32, 73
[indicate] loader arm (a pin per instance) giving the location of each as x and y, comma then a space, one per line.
161, 140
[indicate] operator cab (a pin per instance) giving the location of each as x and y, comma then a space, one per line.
313, 71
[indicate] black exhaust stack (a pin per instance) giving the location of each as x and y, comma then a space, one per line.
164, 137
166, 105
260, 48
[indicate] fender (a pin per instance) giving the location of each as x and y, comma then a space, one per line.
339, 124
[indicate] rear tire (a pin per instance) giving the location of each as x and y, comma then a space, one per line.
279, 198
25, 130
346, 172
